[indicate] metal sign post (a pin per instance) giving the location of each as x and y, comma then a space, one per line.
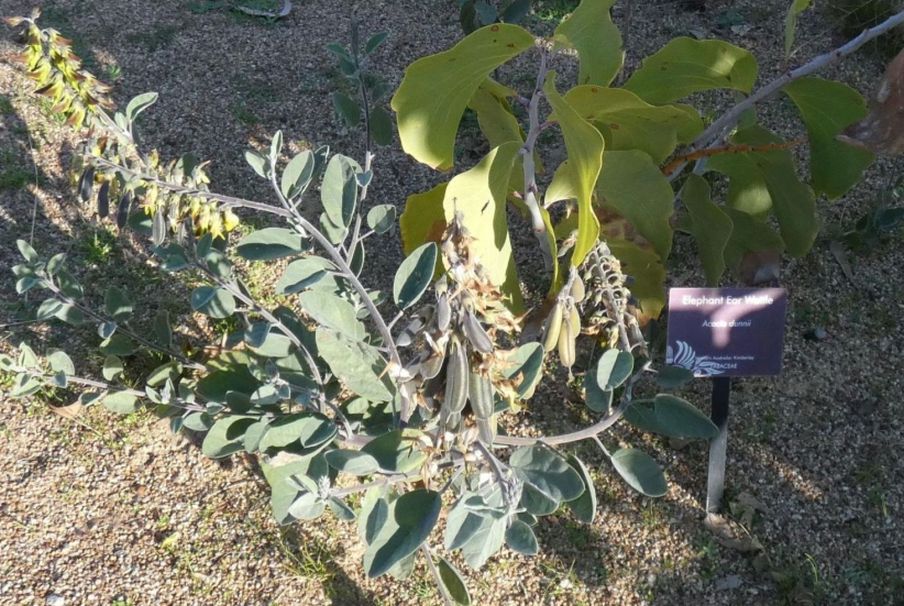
715, 482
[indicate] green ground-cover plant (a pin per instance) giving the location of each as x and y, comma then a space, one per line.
403, 399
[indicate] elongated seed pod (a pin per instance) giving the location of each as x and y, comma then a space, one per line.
578, 292
443, 312
86, 184
122, 211
103, 200
567, 338
476, 334
480, 393
553, 327
457, 378
486, 430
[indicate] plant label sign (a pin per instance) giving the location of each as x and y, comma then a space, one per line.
727, 332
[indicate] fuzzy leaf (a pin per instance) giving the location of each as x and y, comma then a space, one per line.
308, 428
411, 519
453, 582
436, 89
352, 462
670, 416
381, 218
140, 103
640, 471
423, 219
547, 471
414, 275
226, 436
269, 243
397, 451
794, 11
121, 402
212, 301
357, 366
613, 368
297, 174
584, 507
332, 311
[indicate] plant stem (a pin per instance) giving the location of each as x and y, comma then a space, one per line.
588, 432
131, 334
718, 130
428, 554
529, 169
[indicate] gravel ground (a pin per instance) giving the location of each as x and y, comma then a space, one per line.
104, 510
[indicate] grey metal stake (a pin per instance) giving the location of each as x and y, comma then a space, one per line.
715, 483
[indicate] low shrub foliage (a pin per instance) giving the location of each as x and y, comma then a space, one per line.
404, 398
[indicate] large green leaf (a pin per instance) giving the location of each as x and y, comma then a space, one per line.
547, 471
632, 185
310, 429
670, 416
332, 311
613, 368
585, 159
590, 31
357, 365
423, 219
436, 90
640, 471
121, 402
305, 273
794, 11
762, 180
414, 275
826, 108
647, 271
628, 122
494, 114
749, 234
479, 194
685, 66
398, 451
709, 225
584, 507
454, 584
411, 519
339, 190
226, 436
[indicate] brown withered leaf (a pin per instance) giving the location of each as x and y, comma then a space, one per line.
72, 411
729, 534
882, 131
760, 267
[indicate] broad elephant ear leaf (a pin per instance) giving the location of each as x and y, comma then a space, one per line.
685, 66
827, 107
585, 151
479, 196
436, 90
590, 31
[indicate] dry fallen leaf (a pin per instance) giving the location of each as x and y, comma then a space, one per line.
731, 535
882, 131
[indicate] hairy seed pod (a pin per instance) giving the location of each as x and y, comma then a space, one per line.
457, 378
480, 393
86, 184
103, 200
552, 328
443, 312
577, 289
122, 211
431, 366
476, 334
567, 337
486, 429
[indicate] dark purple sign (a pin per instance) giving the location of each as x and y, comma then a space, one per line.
731, 332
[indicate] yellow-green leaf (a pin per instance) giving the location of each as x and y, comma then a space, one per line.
632, 185
494, 114
479, 194
628, 122
764, 179
644, 266
685, 66
794, 11
709, 225
584, 145
826, 108
435, 90
423, 219
590, 31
